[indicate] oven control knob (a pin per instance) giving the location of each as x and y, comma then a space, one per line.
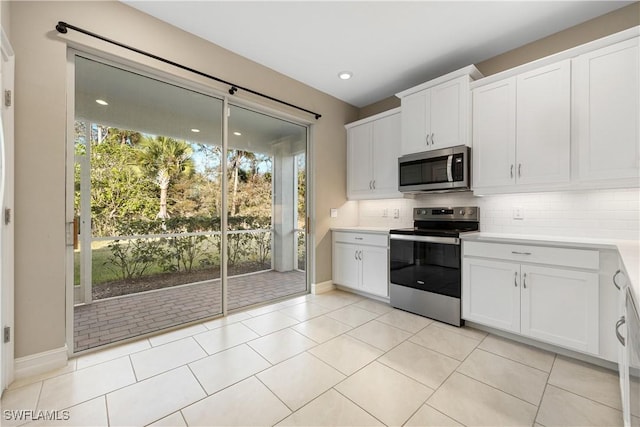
461, 211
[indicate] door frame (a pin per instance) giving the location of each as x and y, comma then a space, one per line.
151, 72
7, 310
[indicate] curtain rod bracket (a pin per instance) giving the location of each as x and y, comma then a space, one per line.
62, 27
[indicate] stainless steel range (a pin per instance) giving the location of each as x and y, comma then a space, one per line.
425, 262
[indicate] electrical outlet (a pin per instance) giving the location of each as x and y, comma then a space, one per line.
518, 213
334, 213
385, 213
396, 213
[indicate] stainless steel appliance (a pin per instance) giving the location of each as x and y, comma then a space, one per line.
425, 262
448, 169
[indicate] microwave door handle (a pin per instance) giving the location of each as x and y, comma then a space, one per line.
449, 168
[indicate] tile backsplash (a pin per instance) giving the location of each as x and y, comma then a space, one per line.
596, 213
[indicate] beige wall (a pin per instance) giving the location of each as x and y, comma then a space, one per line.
613, 22
40, 140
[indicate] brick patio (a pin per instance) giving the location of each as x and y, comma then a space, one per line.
114, 319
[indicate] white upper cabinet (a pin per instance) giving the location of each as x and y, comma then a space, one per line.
373, 148
436, 114
569, 121
521, 130
543, 125
494, 134
606, 112
414, 123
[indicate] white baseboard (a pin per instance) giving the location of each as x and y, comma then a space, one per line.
322, 287
40, 363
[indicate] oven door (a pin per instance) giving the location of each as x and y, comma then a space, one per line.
426, 263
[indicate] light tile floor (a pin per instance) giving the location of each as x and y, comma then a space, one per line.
332, 359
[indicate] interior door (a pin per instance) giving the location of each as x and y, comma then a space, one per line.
6, 197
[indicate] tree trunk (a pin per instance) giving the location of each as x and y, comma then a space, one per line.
235, 192
163, 203
163, 181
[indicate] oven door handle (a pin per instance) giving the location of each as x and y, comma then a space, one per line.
449, 168
427, 239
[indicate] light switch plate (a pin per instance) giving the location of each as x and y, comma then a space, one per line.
334, 213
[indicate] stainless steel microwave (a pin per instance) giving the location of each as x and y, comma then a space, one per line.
447, 169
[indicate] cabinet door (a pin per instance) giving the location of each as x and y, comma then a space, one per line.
491, 293
561, 307
346, 265
543, 114
375, 270
607, 111
386, 144
414, 123
494, 134
359, 161
449, 108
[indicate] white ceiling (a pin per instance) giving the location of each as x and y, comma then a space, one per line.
388, 45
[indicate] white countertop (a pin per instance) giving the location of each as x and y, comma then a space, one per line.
629, 250
363, 229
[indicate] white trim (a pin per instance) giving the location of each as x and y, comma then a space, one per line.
322, 287
41, 363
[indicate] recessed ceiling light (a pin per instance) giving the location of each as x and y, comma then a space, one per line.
194, 130
237, 133
345, 75
102, 102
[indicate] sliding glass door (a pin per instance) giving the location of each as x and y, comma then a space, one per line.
148, 176
266, 195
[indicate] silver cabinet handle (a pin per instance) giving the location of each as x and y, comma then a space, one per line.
619, 323
355, 255
370, 185
519, 170
358, 238
427, 138
524, 281
515, 279
432, 140
521, 253
615, 282
511, 171
360, 255
374, 184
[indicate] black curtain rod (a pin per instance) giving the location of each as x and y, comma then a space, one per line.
63, 27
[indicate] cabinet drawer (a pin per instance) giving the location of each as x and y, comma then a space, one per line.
361, 238
576, 258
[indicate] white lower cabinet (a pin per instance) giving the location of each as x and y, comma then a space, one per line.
552, 303
361, 262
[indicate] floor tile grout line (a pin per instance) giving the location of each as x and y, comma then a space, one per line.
277, 397
39, 395
585, 397
106, 406
514, 360
355, 403
498, 389
198, 380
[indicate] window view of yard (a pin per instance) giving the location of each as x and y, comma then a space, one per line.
151, 188
169, 191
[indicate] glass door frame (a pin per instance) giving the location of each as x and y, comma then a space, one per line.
188, 84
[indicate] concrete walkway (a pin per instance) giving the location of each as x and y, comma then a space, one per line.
114, 319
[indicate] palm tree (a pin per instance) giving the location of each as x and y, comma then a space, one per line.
164, 159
